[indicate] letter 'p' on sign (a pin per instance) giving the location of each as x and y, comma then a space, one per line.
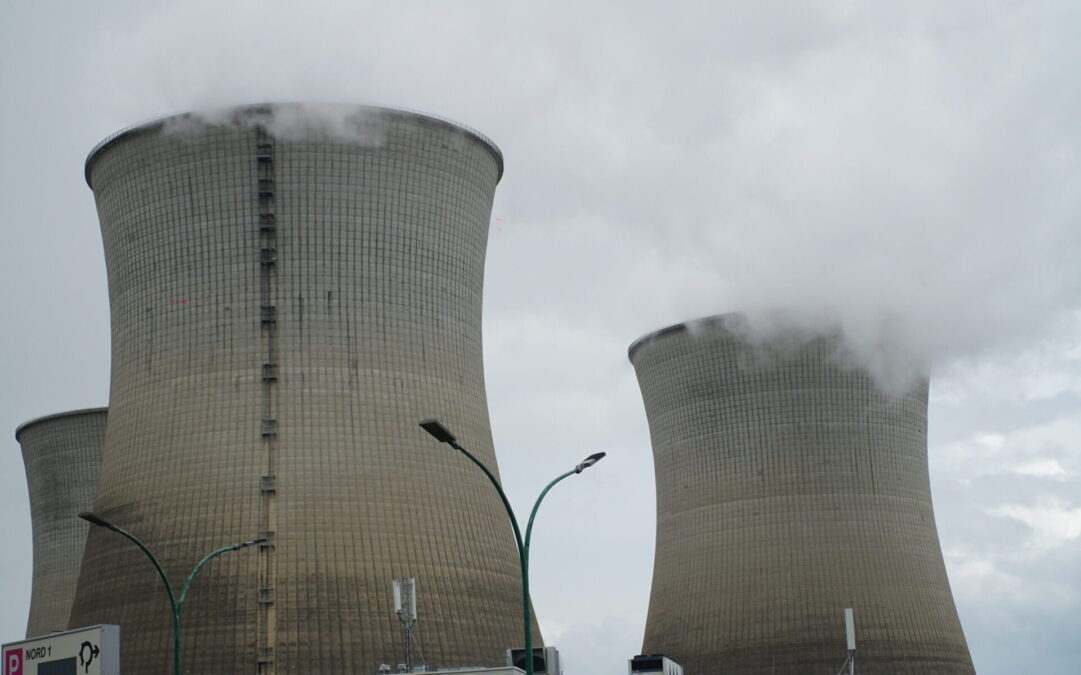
13, 662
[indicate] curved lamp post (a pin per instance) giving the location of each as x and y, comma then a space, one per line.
176, 603
443, 435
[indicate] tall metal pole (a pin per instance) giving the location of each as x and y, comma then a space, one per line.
175, 604
405, 600
523, 555
407, 640
440, 433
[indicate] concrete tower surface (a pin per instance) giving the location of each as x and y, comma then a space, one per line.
789, 487
62, 456
292, 288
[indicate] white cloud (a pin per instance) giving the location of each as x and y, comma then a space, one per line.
1043, 370
1041, 467
1051, 521
1046, 450
980, 576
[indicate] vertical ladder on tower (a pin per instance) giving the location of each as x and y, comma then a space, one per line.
267, 255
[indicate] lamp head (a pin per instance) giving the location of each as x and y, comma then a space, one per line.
95, 519
438, 431
589, 461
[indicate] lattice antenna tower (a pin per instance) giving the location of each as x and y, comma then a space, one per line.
405, 604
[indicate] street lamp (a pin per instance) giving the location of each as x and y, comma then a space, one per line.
176, 604
443, 435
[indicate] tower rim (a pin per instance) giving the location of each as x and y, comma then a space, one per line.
157, 122
49, 418
681, 327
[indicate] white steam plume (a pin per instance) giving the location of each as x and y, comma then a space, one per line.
289, 122
889, 169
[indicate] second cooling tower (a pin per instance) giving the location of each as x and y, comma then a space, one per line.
62, 455
789, 487
292, 289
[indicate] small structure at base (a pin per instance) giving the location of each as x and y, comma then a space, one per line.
545, 660
644, 664
467, 670
501, 670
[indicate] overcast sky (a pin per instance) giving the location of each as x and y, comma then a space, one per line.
910, 170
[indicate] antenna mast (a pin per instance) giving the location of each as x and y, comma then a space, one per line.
850, 636
405, 604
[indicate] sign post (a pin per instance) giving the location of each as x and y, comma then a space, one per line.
86, 651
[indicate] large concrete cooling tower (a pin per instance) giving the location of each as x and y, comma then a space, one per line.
789, 488
292, 289
62, 455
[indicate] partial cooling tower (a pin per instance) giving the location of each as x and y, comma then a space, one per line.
292, 289
789, 488
62, 455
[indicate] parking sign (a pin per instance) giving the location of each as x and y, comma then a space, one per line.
86, 651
